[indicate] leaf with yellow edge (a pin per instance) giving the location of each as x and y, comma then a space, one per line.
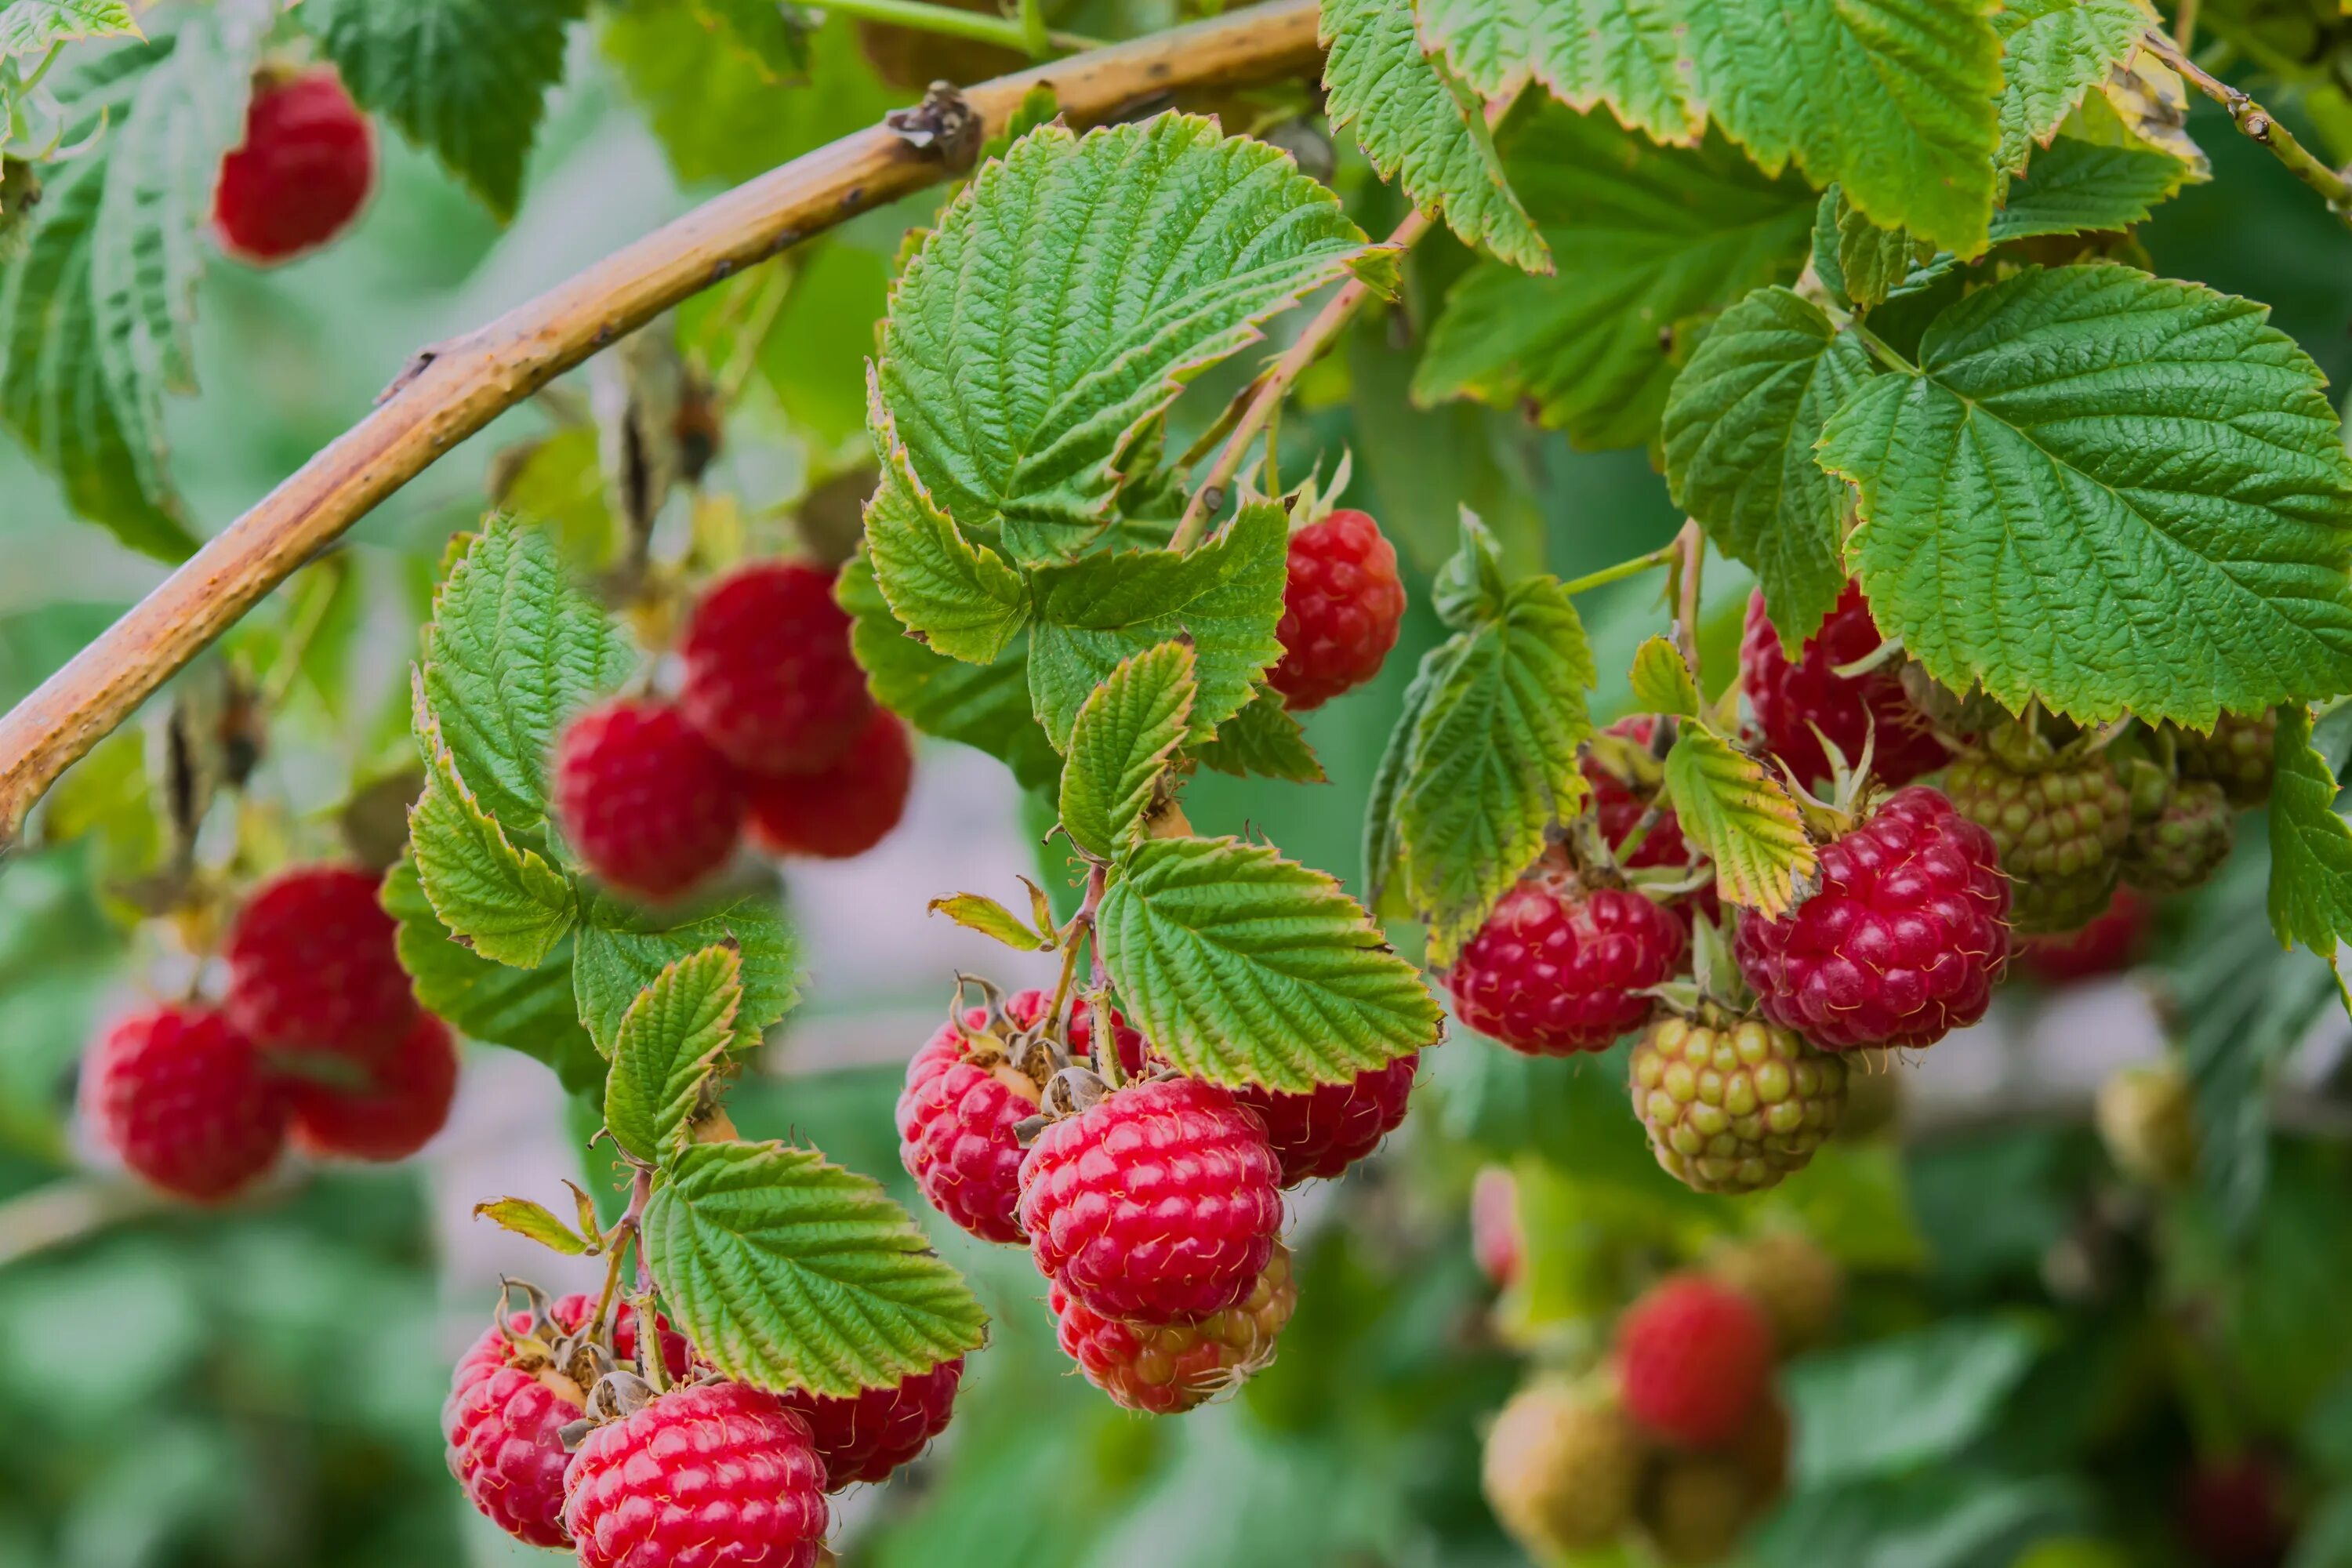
1663, 682
1744, 821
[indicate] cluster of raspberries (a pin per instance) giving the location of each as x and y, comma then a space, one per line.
318, 1040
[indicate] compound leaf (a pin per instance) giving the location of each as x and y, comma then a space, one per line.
670, 1040
960, 599
1125, 731
622, 947
1734, 809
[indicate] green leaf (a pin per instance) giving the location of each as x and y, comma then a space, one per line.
1416, 122
1661, 679
1646, 238
2108, 490
513, 651
769, 30
34, 27
534, 1223
1739, 435
1736, 812
1872, 262
1894, 98
1119, 745
959, 597
2052, 52
1484, 761
527, 1010
990, 918
622, 947
986, 706
503, 902
670, 1041
2077, 187
464, 79
1066, 295
2311, 844
716, 109
788, 1272
1225, 596
98, 304
1264, 738
1898, 1403
1244, 968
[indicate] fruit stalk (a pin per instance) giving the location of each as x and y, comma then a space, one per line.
2259, 125
454, 389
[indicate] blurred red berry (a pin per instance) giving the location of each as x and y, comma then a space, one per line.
302, 173
843, 809
644, 799
183, 1098
769, 678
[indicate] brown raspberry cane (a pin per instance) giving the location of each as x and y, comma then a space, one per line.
1173, 1367
768, 678
312, 965
1794, 699
714, 1475
866, 1435
842, 809
184, 1099
1556, 969
1903, 940
1341, 605
1156, 1204
1327, 1129
643, 798
302, 173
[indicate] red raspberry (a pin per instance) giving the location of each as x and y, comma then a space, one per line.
1156, 1204
645, 800
1694, 1360
2108, 946
302, 173
869, 1434
1341, 605
1331, 1126
715, 1475
843, 809
769, 677
311, 964
183, 1098
1555, 971
405, 1099
1903, 941
1494, 1238
1176, 1366
508, 1402
2235, 1513
956, 1120
1793, 699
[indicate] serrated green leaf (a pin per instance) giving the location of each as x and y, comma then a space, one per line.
527, 1010
502, 901
1242, 967
465, 81
533, 1223
1646, 238
1893, 98
1470, 589
1066, 295
1661, 679
1733, 808
97, 306
985, 706
1484, 761
1264, 738
514, 649
1224, 595
1872, 262
1740, 433
2110, 492
1418, 124
1125, 731
788, 1272
960, 597
2075, 187
621, 947
990, 918
670, 1041
34, 27
1383, 850
2052, 52
2311, 844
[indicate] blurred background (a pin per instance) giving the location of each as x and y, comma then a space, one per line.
2038, 1346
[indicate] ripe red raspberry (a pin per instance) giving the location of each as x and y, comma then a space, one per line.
1495, 1239
184, 1099
1176, 1366
1555, 971
1694, 1360
509, 1399
403, 1099
956, 1117
2236, 1512
867, 1435
1158, 1203
1341, 605
311, 964
1904, 940
645, 800
302, 173
1793, 699
2108, 946
714, 1475
1331, 1126
842, 809
768, 678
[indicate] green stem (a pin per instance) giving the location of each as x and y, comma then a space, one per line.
1880, 349
979, 28
1038, 41
1623, 569
2258, 124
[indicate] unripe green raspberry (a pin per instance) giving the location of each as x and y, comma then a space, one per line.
1560, 1469
1736, 1108
1694, 1508
2236, 755
2182, 845
2147, 1117
2058, 828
